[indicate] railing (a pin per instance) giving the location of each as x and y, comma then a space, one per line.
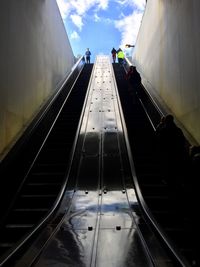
154, 114
36, 133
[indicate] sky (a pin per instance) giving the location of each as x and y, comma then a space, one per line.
101, 25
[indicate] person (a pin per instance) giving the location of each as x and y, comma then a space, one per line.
130, 74
114, 52
172, 151
130, 79
87, 56
133, 76
134, 80
120, 56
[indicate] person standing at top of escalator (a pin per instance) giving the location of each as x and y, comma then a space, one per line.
87, 56
114, 53
120, 56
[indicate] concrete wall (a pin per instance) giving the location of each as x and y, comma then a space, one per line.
35, 55
167, 54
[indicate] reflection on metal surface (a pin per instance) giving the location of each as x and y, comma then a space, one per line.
100, 226
120, 248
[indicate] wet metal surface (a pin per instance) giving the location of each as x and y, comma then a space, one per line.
100, 227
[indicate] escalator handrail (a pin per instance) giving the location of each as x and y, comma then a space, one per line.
37, 123
149, 96
182, 261
21, 242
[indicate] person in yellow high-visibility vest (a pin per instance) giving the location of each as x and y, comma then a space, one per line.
120, 56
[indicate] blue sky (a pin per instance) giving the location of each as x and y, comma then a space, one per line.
101, 25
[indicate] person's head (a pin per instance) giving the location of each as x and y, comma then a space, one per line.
132, 68
169, 119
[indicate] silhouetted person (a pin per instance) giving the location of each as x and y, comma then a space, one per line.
114, 53
87, 56
172, 152
134, 81
133, 77
130, 77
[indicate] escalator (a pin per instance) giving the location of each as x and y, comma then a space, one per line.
99, 218
167, 211
40, 188
99, 208
98, 221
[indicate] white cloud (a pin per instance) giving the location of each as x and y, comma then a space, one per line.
77, 9
96, 18
74, 35
103, 4
65, 8
108, 21
77, 20
103, 20
129, 27
80, 7
139, 4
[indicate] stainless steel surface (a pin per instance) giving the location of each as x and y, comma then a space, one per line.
100, 225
